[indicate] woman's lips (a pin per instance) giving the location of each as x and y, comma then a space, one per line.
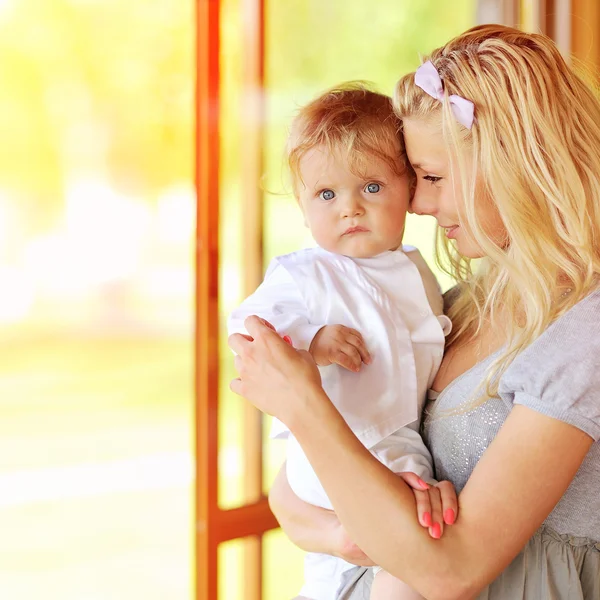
451, 231
351, 230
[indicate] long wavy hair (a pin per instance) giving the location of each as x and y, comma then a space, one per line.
535, 150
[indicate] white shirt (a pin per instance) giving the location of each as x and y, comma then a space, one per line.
392, 299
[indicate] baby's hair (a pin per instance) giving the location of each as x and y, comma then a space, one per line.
535, 146
353, 119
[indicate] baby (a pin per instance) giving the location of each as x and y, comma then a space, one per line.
368, 309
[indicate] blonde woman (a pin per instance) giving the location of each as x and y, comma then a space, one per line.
504, 139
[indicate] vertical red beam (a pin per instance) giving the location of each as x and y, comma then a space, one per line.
207, 296
252, 124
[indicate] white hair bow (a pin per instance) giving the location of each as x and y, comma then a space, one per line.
428, 79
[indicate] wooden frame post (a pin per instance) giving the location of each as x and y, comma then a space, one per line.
214, 525
252, 129
207, 296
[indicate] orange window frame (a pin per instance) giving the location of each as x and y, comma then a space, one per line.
213, 524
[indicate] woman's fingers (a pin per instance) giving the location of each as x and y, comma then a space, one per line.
238, 342
413, 480
437, 526
236, 386
432, 501
423, 507
256, 326
449, 502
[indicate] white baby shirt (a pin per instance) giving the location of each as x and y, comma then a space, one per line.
394, 301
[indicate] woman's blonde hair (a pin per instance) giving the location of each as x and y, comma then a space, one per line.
535, 146
351, 118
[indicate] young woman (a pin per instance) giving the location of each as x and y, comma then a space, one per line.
504, 139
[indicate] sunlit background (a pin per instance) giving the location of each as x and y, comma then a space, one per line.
97, 212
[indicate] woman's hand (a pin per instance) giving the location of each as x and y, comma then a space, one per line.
273, 376
436, 504
343, 547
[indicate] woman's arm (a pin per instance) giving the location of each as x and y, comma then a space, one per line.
312, 528
515, 485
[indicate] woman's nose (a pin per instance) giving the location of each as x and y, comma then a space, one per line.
422, 204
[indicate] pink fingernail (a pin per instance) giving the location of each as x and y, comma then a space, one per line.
427, 519
288, 339
436, 531
449, 517
423, 484
266, 324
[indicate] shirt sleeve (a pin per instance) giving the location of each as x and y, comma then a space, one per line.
279, 301
558, 375
404, 450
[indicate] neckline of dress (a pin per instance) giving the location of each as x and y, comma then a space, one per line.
456, 380
438, 395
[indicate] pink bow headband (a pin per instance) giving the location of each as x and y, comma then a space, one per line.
428, 79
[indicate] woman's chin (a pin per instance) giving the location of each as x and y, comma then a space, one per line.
468, 248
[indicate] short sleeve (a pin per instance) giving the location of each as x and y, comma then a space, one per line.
558, 375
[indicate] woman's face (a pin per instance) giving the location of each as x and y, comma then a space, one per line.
439, 195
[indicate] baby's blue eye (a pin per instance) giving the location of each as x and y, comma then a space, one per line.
327, 195
373, 188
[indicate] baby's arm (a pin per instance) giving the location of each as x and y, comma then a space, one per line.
404, 450
279, 301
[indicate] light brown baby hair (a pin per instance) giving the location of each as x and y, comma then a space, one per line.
351, 119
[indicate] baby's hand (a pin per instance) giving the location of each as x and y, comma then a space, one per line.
336, 344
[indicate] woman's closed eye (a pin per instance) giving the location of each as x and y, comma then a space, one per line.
432, 178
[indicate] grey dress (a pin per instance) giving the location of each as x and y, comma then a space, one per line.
558, 375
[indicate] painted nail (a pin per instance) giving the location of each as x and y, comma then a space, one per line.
449, 517
436, 531
266, 323
424, 484
427, 519
288, 339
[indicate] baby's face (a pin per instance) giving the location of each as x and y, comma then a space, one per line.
349, 214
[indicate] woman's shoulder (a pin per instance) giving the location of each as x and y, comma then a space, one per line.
575, 331
559, 373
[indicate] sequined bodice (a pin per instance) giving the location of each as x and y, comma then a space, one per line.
457, 441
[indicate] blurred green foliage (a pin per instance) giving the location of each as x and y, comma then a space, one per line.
89, 85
